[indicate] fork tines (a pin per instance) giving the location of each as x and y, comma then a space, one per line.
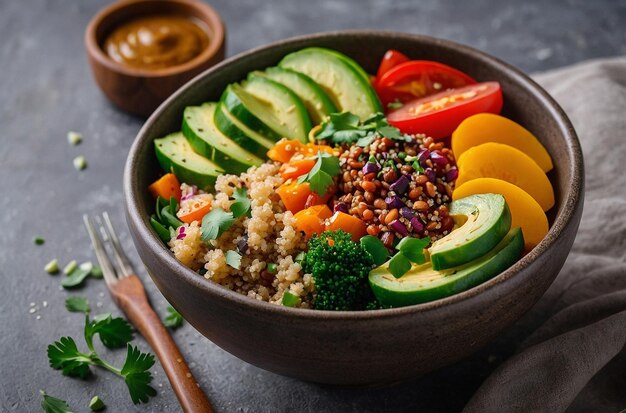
108, 235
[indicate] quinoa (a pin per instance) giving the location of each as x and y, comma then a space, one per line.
267, 236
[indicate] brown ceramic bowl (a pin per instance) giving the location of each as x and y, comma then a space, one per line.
369, 346
140, 91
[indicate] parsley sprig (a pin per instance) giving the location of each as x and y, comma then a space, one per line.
173, 319
346, 127
218, 221
320, 177
51, 404
64, 354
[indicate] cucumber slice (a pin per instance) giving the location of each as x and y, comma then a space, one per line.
286, 114
240, 133
422, 283
175, 155
345, 82
316, 101
204, 137
484, 220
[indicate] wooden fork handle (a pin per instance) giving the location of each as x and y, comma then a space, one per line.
134, 303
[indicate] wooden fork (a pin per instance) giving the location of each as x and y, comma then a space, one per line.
128, 293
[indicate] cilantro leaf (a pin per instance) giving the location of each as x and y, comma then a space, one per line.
241, 206
215, 223
64, 355
320, 177
173, 319
137, 375
413, 248
399, 265
345, 128
51, 404
77, 305
113, 332
233, 259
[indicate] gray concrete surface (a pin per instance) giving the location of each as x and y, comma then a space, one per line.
46, 90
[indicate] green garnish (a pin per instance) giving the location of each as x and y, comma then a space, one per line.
272, 267
345, 127
233, 259
77, 275
96, 272
215, 223
395, 105
52, 267
39, 240
114, 333
74, 138
375, 247
51, 404
290, 299
320, 177
161, 231
96, 404
241, 206
80, 162
77, 305
173, 319
70, 267
300, 257
410, 250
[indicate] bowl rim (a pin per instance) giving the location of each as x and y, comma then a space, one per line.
210, 17
572, 198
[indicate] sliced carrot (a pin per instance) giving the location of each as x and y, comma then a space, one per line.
496, 160
350, 224
197, 211
295, 196
296, 167
166, 187
311, 220
285, 149
487, 127
525, 211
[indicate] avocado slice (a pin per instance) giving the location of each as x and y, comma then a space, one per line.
422, 283
285, 114
248, 139
204, 137
316, 101
484, 219
175, 154
343, 80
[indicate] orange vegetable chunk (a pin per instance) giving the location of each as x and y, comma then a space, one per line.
295, 195
487, 127
526, 213
350, 224
166, 186
285, 149
496, 160
311, 220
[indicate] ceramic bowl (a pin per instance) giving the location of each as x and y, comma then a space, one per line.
370, 346
140, 91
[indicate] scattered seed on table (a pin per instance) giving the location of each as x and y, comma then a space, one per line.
80, 162
74, 138
70, 267
52, 267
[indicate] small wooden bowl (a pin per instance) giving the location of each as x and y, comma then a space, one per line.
140, 91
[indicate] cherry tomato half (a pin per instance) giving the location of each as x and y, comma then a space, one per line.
417, 79
439, 115
392, 58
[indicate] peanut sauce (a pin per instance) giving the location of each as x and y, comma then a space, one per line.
156, 41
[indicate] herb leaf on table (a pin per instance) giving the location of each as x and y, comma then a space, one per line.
137, 375
64, 355
51, 404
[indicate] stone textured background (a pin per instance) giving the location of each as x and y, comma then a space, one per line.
46, 90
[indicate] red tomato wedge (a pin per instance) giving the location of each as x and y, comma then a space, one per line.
438, 115
392, 58
417, 79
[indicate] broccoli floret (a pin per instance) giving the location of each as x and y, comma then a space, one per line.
340, 268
